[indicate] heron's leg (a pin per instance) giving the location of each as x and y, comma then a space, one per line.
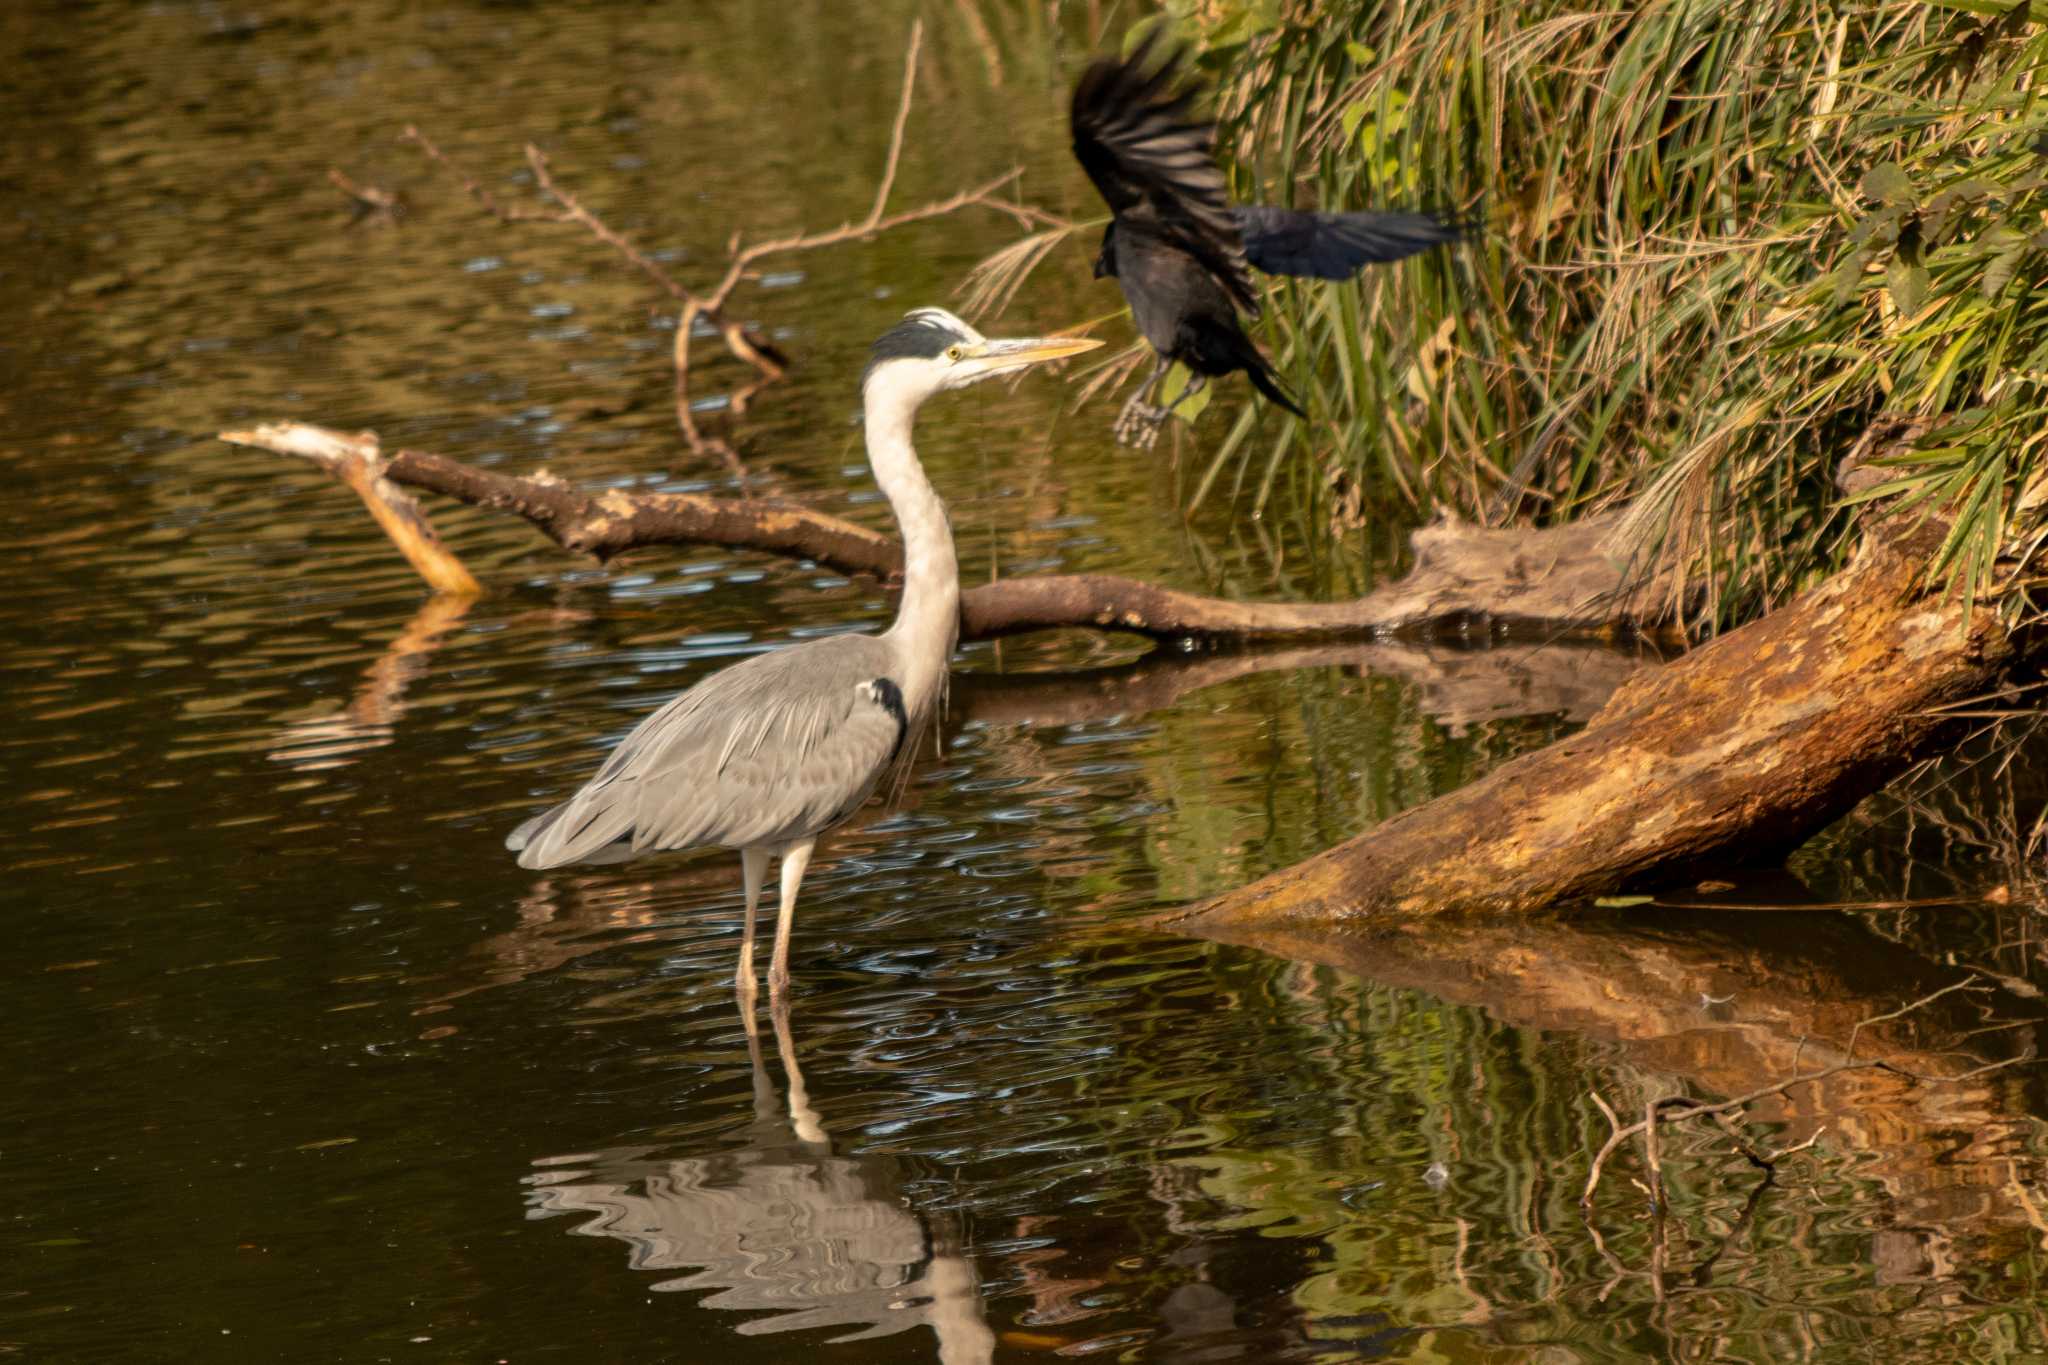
803, 1120
753, 871
767, 1109
795, 859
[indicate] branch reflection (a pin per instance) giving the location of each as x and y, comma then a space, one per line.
1455, 685
329, 741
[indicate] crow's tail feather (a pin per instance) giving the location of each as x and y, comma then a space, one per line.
1267, 382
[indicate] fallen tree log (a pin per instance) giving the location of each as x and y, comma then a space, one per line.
1558, 582
1737, 752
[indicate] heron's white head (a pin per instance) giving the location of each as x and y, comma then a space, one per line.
931, 350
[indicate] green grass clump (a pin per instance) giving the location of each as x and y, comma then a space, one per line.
1727, 243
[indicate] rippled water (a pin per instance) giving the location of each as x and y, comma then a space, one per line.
306, 1068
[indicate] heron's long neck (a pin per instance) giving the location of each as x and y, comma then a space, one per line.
928, 620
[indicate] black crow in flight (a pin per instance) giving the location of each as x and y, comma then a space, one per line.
1182, 252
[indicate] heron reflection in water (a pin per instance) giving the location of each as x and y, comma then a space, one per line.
781, 1225
770, 753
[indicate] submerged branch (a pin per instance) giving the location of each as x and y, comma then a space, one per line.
1465, 578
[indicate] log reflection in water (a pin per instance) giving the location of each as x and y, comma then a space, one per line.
780, 1223
1456, 686
1724, 1003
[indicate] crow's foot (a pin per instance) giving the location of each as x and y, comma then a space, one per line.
1139, 423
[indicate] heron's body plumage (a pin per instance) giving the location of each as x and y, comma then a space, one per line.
775, 749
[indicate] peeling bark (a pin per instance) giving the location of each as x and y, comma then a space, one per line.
356, 462
1735, 753
608, 524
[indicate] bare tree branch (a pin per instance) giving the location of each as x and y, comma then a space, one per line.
1464, 577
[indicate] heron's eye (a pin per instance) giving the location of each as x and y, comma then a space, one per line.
954, 352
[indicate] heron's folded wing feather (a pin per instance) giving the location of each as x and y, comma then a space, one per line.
1334, 246
780, 746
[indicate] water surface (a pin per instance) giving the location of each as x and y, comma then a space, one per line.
307, 1068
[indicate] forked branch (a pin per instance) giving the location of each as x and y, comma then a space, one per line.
1464, 577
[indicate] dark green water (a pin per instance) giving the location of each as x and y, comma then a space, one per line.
304, 1068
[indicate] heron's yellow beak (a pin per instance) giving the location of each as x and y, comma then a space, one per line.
996, 356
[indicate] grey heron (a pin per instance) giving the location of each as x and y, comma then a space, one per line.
770, 753
1181, 251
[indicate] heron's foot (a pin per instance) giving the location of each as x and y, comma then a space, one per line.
1138, 424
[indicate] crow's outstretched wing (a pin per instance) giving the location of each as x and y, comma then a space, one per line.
1153, 159
1334, 246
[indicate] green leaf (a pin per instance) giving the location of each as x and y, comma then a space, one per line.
1889, 184
1360, 54
1618, 902
1174, 388
1846, 280
1999, 273
1246, 22
1353, 115
1908, 283
1881, 228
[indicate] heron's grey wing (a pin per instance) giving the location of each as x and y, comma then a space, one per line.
1334, 246
1137, 136
778, 747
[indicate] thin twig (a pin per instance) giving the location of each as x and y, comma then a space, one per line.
745, 257
370, 201
1652, 1161
573, 211
769, 363
476, 190
902, 118
1678, 1107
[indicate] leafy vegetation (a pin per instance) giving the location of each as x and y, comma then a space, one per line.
1729, 247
